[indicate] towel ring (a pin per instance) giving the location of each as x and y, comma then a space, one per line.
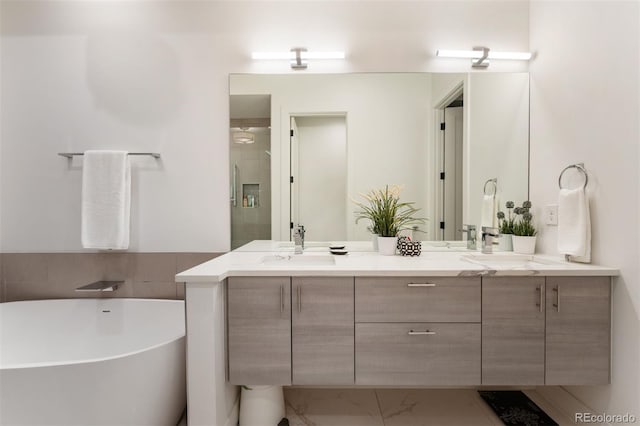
495, 186
580, 167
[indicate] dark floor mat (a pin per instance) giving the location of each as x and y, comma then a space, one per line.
515, 408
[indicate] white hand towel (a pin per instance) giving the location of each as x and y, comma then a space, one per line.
574, 225
488, 215
106, 200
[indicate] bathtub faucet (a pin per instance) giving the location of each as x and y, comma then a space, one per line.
101, 286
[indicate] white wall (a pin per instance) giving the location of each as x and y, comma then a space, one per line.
585, 108
443, 84
498, 140
153, 76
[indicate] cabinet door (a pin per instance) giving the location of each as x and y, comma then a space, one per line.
513, 330
421, 354
322, 327
259, 333
578, 330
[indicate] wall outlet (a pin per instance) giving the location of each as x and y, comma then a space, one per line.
551, 214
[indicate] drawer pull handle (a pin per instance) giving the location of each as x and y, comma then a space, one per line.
421, 333
421, 285
557, 304
281, 299
539, 304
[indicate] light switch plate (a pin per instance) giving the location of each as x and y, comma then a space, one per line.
551, 215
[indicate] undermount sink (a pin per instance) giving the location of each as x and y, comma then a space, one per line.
505, 260
444, 245
314, 244
299, 259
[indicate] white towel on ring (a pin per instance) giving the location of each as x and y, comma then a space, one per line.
106, 200
574, 225
488, 209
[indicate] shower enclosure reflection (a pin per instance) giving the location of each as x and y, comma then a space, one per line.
250, 168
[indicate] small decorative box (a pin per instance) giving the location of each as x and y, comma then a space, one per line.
409, 248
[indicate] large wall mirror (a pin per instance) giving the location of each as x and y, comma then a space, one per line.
302, 147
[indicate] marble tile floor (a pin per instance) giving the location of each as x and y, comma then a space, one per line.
396, 407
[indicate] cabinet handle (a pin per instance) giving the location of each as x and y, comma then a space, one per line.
421, 285
539, 304
281, 299
421, 333
299, 289
557, 304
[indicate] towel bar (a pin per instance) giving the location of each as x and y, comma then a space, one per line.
580, 167
495, 186
72, 154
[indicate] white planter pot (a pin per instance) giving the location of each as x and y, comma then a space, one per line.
505, 242
261, 406
387, 245
524, 245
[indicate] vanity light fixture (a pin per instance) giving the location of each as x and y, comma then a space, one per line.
480, 55
298, 56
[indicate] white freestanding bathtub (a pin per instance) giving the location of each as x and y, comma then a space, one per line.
92, 362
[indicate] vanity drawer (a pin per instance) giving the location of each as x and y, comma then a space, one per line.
418, 354
418, 299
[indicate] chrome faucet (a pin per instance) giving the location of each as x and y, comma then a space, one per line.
298, 239
470, 230
488, 236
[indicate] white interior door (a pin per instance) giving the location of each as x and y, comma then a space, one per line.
452, 167
319, 171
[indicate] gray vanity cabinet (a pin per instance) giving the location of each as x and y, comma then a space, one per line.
322, 331
418, 331
259, 330
551, 331
578, 330
513, 322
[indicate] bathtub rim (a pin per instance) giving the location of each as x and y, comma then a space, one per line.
98, 359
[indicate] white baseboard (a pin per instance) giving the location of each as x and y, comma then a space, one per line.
567, 404
233, 418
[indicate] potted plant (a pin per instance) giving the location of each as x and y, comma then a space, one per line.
524, 231
505, 226
388, 216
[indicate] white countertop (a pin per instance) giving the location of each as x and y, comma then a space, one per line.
252, 260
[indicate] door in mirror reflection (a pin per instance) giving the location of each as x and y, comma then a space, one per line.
319, 176
451, 175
